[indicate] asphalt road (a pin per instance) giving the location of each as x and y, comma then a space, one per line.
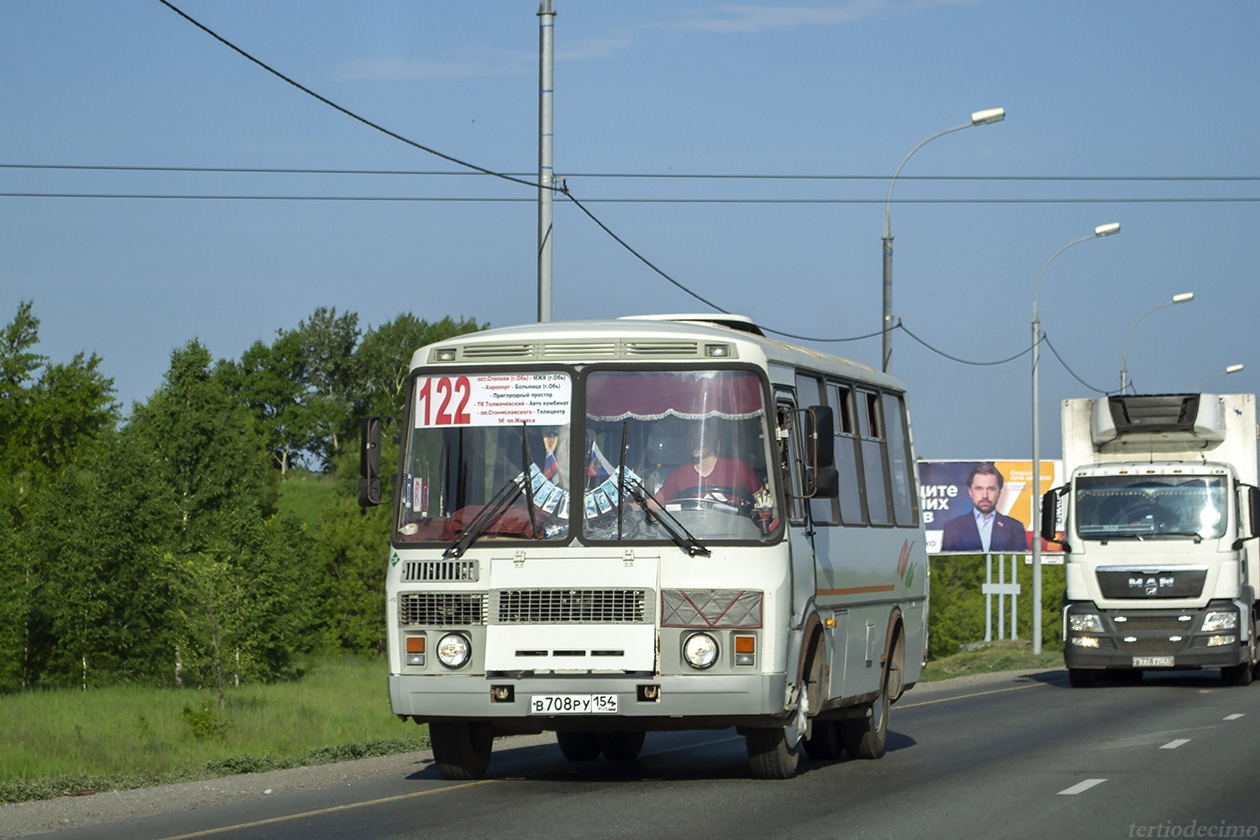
1011, 756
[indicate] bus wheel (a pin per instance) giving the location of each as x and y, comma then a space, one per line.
824, 742
461, 749
621, 746
865, 736
774, 753
578, 746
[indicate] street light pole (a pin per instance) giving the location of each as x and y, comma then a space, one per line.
1184, 297
986, 117
1228, 370
546, 170
1100, 231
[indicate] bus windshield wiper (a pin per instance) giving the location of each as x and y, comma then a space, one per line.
506, 495
653, 508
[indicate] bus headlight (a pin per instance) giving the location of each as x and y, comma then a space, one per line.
700, 651
453, 650
1214, 622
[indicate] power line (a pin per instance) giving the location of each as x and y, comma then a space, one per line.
726, 201
637, 175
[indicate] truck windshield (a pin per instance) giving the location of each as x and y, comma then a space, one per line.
1118, 507
679, 455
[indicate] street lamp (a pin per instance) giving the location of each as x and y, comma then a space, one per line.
986, 117
1100, 231
1228, 370
1184, 297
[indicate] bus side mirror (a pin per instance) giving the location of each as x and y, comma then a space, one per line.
822, 480
820, 434
370, 462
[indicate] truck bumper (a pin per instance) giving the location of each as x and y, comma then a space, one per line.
1150, 639
642, 702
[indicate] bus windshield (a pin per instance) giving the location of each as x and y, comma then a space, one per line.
661, 456
1144, 506
689, 447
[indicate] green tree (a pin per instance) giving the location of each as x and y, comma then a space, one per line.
384, 358
270, 381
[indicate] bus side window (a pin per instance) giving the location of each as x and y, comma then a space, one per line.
811, 390
847, 456
874, 458
904, 494
790, 459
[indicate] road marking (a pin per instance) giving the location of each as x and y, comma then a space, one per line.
1172, 745
966, 696
1081, 787
1232, 717
348, 807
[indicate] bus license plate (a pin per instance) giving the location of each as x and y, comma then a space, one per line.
573, 704
1152, 662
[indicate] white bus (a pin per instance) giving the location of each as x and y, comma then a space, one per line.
606, 528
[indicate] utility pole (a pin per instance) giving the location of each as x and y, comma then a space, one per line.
546, 172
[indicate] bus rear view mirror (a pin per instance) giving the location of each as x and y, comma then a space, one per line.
820, 433
370, 462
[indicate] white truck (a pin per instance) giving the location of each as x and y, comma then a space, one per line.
1156, 520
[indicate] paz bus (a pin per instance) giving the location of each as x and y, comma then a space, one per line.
606, 528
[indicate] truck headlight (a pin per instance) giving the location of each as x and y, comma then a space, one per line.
453, 650
700, 650
1084, 623
1214, 622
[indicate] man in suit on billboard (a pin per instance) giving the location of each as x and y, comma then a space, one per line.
982, 528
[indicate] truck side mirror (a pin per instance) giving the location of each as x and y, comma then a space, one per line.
1050, 516
370, 462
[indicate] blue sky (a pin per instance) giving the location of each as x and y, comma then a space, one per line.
1165, 92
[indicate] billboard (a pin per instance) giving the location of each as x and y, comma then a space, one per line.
974, 507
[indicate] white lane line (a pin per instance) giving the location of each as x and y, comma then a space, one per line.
1081, 787
1172, 745
1233, 717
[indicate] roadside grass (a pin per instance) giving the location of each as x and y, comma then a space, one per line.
991, 657
68, 742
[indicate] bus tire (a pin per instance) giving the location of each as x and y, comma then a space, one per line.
865, 736
461, 749
621, 746
578, 746
769, 755
824, 743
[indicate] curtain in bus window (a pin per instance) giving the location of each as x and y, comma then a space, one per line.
905, 511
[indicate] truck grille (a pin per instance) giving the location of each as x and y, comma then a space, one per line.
1127, 582
572, 606
443, 609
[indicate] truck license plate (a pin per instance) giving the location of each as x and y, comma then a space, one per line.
573, 704
1152, 662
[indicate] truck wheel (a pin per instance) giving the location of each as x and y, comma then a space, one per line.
1243, 672
1082, 677
621, 746
578, 746
461, 749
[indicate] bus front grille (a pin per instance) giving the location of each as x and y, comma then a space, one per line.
443, 609
572, 606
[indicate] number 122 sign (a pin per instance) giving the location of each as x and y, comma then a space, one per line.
493, 400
